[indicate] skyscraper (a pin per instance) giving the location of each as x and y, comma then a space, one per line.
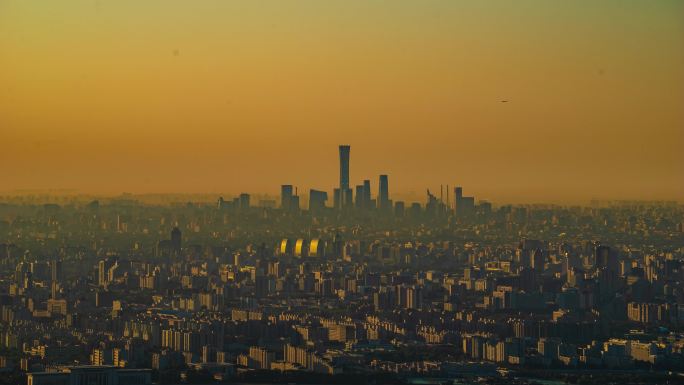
366, 194
463, 205
317, 200
363, 196
360, 197
458, 194
383, 193
286, 194
344, 167
244, 201
345, 195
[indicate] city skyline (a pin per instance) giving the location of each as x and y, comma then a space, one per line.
342, 192
346, 180
217, 97
123, 292
345, 196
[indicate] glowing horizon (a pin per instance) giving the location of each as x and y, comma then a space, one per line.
168, 97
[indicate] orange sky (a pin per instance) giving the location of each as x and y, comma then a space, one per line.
216, 96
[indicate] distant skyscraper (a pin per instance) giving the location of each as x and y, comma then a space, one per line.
244, 201
360, 196
286, 194
366, 194
317, 200
383, 193
345, 194
344, 167
463, 205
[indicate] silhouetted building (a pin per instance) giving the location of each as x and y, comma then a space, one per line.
383, 193
432, 205
360, 197
286, 194
289, 201
244, 201
368, 204
317, 200
343, 197
464, 206
344, 167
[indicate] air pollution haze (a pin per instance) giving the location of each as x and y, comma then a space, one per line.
518, 101
341, 192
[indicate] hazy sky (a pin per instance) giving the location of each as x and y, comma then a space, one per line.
230, 96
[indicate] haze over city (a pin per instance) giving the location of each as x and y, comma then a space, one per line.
526, 101
444, 192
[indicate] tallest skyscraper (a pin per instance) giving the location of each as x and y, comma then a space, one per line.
344, 167
343, 194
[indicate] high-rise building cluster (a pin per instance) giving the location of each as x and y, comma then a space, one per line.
360, 199
361, 290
